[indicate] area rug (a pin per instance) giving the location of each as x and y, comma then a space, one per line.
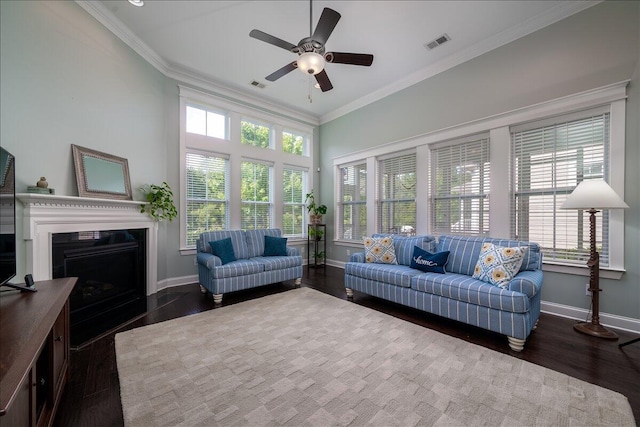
304, 358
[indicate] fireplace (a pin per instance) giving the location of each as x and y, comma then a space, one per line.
110, 266
52, 219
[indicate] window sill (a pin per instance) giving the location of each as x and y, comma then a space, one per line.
187, 251
605, 273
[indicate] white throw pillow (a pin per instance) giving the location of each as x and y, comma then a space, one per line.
379, 250
498, 265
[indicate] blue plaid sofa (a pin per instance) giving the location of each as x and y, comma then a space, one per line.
456, 295
251, 269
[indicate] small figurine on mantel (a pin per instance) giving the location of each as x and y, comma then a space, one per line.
41, 187
42, 183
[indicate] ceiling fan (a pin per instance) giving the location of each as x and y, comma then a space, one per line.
311, 50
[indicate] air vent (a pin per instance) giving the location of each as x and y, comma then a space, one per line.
437, 42
258, 84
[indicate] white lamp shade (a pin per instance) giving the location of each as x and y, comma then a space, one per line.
311, 63
594, 194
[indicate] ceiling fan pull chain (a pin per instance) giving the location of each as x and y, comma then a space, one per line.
309, 96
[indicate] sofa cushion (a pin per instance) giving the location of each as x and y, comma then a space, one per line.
428, 262
238, 238
278, 262
497, 265
255, 240
398, 275
465, 288
404, 245
223, 249
379, 250
240, 267
275, 246
466, 250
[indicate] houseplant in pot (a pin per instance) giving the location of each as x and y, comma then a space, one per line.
315, 211
160, 202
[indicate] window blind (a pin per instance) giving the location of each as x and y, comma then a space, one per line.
548, 163
352, 205
459, 188
293, 210
397, 194
207, 194
256, 195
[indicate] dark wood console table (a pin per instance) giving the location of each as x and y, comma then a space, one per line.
34, 352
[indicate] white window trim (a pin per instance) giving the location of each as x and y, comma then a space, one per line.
236, 151
614, 96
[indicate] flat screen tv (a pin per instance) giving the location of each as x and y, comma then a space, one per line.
7, 217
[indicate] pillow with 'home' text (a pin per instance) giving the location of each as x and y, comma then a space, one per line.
428, 262
379, 250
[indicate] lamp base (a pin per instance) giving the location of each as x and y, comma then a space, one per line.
595, 330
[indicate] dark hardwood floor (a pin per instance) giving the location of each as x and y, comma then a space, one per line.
92, 396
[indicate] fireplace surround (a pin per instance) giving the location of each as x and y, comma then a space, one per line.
45, 215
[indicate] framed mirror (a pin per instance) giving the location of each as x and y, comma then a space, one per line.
101, 175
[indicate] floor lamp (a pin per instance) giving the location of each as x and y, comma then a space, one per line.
591, 195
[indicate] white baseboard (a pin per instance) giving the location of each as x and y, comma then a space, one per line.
177, 281
611, 320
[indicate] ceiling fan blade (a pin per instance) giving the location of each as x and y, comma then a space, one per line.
323, 80
349, 58
326, 24
282, 71
268, 38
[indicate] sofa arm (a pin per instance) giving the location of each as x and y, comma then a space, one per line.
292, 251
357, 257
208, 260
527, 282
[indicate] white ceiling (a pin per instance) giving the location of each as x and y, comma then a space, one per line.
207, 42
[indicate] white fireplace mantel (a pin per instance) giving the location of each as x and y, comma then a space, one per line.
45, 215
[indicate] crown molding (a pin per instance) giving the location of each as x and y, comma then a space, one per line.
113, 24
183, 75
557, 13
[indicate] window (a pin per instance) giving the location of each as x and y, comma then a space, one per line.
255, 134
256, 195
549, 160
397, 194
293, 143
207, 194
459, 188
209, 123
352, 207
293, 207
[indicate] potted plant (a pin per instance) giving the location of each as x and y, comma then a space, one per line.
315, 211
160, 202
316, 233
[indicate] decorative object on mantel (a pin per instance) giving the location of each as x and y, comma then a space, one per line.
101, 175
42, 182
41, 187
315, 211
160, 202
591, 195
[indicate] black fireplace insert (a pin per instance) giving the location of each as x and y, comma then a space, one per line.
111, 270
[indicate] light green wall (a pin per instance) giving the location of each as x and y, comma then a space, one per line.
596, 47
65, 79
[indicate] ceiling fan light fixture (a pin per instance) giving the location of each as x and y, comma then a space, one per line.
138, 3
310, 63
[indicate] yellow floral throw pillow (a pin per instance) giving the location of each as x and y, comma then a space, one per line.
379, 250
498, 265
